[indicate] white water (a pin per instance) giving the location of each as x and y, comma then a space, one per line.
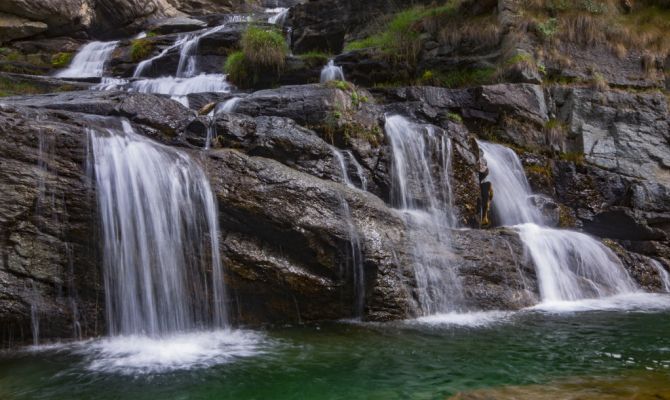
570, 265
177, 88
332, 72
161, 261
133, 355
89, 61
279, 17
663, 274
511, 191
227, 106
355, 260
573, 266
423, 195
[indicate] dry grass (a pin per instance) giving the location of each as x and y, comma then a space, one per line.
607, 23
475, 32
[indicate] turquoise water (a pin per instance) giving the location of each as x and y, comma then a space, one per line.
430, 359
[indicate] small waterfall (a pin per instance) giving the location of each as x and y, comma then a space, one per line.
663, 274
573, 266
355, 253
359, 170
279, 17
422, 193
227, 106
511, 191
570, 265
89, 61
35, 300
332, 72
162, 267
188, 47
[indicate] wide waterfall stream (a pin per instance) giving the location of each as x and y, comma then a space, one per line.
570, 265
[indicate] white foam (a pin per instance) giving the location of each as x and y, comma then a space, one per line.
624, 302
469, 319
133, 355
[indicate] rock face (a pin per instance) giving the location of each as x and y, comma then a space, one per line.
284, 232
100, 17
12, 27
48, 265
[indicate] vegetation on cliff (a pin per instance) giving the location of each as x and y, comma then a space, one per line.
262, 56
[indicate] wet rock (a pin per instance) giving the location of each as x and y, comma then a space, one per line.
167, 116
47, 241
176, 25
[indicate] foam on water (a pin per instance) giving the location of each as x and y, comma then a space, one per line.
133, 355
469, 319
647, 302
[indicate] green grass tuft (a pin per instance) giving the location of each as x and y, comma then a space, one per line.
61, 60
140, 49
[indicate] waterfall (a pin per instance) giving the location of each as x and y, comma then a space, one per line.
663, 275
35, 300
511, 191
359, 170
227, 106
355, 253
162, 267
89, 61
279, 15
332, 72
422, 193
570, 265
573, 266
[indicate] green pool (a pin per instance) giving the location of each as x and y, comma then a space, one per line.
433, 358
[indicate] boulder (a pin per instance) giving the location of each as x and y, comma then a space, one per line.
176, 25
13, 27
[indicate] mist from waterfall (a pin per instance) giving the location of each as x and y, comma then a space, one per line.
570, 265
422, 192
162, 266
89, 61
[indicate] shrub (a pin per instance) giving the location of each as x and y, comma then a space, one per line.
264, 49
140, 49
61, 60
262, 58
236, 68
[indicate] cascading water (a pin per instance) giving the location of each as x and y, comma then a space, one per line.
89, 61
187, 78
162, 267
512, 194
570, 265
227, 106
423, 195
279, 15
355, 252
663, 275
332, 72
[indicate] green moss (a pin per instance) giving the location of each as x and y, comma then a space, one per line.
467, 77
140, 49
399, 39
542, 170
315, 58
574, 157
342, 85
565, 217
61, 60
455, 117
10, 87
